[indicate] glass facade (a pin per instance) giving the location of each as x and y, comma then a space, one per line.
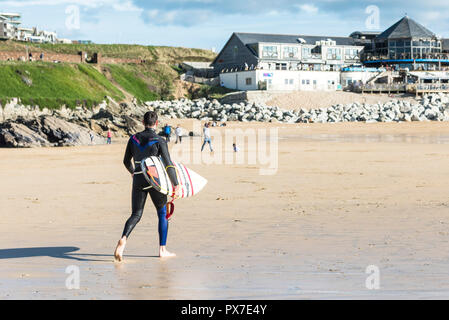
334, 54
408, 49
270, 52
291, 53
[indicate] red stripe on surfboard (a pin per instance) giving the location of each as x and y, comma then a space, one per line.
188, 174
179, 178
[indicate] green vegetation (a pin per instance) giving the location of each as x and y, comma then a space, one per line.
131, 81
169, 55
155, 77
51, 85
205, 91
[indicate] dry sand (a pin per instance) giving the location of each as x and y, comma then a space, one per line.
323, 99
345, 196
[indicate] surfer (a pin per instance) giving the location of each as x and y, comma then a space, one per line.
140, 146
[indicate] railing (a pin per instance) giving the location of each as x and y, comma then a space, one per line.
407, 56
384, 87
208, 81
432, 87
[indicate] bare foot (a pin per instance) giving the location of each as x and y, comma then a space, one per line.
163, 253
118, 254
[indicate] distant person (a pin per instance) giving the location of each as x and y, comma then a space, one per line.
109, 137
91, 138
178, 132
30, 56
236, 149
42, 56
167, 132
207, 138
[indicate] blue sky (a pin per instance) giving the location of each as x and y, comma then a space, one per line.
209, 23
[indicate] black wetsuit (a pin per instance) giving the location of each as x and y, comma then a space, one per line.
140, 146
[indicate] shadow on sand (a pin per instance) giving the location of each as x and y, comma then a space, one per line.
55, 252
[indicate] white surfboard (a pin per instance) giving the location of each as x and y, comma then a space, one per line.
154, 171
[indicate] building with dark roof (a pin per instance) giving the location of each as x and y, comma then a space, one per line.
406, 43
286, 52
252, 61
406, 39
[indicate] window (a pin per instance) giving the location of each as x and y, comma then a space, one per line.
303, 81
270, 52
249, 81
292, 81
281, 66
306, 53
351, 54
334, 54
308, 82
290, 52
236, 51
286, 81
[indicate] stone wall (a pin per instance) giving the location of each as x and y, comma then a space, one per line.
69, 58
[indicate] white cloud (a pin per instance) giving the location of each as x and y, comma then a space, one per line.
117, 5
308, 8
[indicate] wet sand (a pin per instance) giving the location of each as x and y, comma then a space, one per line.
345, 196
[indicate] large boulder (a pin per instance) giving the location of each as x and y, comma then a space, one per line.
18, 135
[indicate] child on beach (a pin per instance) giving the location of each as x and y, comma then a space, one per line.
109, 137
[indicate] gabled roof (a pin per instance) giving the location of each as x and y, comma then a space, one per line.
250, 38
406, 28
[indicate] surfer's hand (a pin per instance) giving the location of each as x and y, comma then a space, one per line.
176, 192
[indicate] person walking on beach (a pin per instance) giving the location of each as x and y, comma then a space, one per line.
207, 138
109, 136
178, 132
167, 132
140, 146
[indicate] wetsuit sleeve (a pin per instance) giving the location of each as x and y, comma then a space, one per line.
171, 171
127, 159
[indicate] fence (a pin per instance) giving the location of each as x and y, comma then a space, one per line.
208, 81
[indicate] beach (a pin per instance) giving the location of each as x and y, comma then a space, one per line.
344, 197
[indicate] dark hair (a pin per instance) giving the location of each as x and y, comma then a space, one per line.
150, 118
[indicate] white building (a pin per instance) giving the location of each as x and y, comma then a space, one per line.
8, 25
10, 30
281, 80
285, 62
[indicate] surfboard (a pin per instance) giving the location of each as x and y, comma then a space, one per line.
154, 172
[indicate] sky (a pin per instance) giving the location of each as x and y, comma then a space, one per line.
208, 24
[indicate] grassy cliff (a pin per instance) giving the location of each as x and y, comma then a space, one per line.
49, 85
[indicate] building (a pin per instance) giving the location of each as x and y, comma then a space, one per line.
251, 61
10, 29
407, 44
8, 25
286, 52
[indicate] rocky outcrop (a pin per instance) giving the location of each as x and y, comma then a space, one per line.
433, 107
45, 131
26, 126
